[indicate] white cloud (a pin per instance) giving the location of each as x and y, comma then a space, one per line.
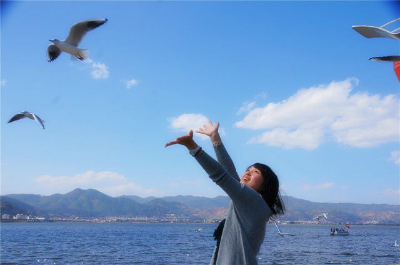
131, 83
130, 188
247, 106
262, 95
3, 82
389, 192
323, 186
395, 157
108, 182
305, 119
98, 70
304, 138
186, 122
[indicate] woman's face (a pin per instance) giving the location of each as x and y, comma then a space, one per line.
253, 179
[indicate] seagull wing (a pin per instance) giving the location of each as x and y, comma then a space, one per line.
79, 30
386, 58
17, 117
375, 32
38, 120
52, 52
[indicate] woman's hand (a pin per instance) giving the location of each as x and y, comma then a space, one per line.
211, 131
186, 140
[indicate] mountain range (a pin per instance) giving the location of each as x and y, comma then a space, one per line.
94, 204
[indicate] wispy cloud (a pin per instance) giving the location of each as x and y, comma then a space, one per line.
130, 83
249, 105
246, 107
389, 192
111, 183
323, 186
395, 157
312, 115
98, 70
3, 82
186, 122
303, 138
130, 188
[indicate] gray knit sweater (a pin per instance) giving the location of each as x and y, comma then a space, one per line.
248, 213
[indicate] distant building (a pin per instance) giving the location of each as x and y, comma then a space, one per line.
6, 216
21, 217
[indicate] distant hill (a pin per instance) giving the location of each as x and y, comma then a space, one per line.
190, 201
302, 210
92, 203
14, 207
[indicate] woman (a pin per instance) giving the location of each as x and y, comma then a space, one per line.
255, 198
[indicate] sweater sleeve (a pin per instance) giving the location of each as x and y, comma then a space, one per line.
239, 193
225, 160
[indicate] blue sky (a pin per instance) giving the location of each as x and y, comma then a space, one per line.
289, 82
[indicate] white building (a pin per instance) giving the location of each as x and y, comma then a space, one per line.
6, 216
21, 217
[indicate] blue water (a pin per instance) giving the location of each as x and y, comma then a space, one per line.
125, 243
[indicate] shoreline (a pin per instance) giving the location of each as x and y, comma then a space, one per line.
167, 222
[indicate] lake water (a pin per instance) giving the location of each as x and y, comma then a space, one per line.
126, 243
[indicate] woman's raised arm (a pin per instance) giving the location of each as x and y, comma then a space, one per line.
223, 157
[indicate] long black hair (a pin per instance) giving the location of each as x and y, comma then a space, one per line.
270, 189
269, 192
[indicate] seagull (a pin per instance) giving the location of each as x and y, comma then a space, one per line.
322, 215
280, 232
70, 45
378, 32
392, 58
26, 114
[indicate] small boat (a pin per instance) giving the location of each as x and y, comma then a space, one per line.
339, 232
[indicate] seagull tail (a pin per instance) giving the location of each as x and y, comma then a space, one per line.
81, 55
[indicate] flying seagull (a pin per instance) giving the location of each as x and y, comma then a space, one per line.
378, 32
26, 114
280, 232
70, 45
321, 216
392, 58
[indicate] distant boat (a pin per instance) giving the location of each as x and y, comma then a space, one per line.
199, 230
339, 232
280, 232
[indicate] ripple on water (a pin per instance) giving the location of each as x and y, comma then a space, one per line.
177, 244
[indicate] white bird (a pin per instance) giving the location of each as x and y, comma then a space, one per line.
378, 32
280, 232
395, 244
71, 43
26, 114
322, 215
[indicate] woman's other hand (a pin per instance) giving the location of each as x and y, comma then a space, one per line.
185, 140
212, 131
